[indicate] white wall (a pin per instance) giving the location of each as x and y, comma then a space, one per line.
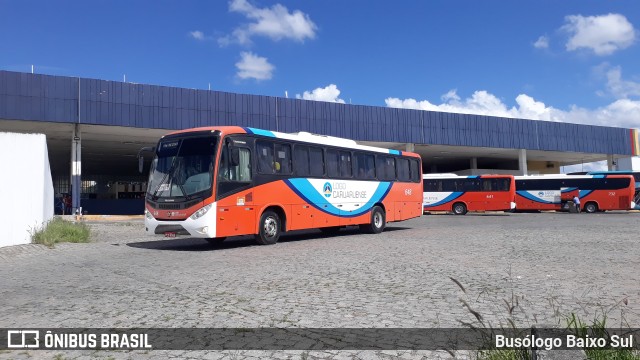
629, 163
26, 187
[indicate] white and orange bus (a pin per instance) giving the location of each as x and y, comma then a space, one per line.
596, 192
459, 194
217, 182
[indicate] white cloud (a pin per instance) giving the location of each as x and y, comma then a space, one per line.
197, 34
603, 34
621, 88
622, 112
541, 43
329, 93
276, 23
252, 66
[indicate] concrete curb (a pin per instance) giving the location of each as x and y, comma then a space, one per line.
102, 217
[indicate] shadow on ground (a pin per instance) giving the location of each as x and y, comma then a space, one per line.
195, 244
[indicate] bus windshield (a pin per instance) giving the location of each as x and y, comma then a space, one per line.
182, 168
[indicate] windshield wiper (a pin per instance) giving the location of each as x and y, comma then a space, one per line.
154, 196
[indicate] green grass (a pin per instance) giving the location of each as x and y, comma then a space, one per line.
598, 328
59, 230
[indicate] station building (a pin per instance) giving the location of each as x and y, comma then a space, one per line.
95, 128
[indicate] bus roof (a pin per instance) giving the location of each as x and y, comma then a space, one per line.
613, 172
564, 176
455, 176
299, 136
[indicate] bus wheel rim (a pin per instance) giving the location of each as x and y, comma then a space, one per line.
270, 227
377, 220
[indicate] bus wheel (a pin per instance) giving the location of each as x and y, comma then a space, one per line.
378, 221
215, 241
459, 209
591, 207
269, 228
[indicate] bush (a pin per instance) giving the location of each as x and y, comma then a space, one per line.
59, 230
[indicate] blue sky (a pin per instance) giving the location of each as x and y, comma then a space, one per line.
571, 60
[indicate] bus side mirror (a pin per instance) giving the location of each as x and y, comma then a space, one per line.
234, 159
141, 158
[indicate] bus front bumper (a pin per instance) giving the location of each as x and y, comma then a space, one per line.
201, 227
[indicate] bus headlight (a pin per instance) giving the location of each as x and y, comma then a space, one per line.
200, 212
148, 215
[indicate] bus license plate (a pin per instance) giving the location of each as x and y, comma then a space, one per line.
170, 234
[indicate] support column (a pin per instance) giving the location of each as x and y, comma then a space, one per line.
522, 161
76, 169
611, 164
473, 165
410, 147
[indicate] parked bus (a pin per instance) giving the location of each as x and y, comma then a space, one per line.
596, 192
217, 182
636, 177
459, 194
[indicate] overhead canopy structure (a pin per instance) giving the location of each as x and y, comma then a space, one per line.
102, 124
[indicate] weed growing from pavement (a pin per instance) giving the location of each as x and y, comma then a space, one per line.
598, 328
58, 230
573, 324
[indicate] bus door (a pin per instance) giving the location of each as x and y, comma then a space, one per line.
236, 211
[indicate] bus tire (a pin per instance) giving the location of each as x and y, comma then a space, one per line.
269, 231
377, 223
216, 241
459, 208
590, 207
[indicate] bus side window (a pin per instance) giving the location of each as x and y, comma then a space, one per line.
486, 184
365, 166
240, 172
243, 170
265, 157
386, 168
282, 162
402, 166
301, 160
332, 164
346, 168
415, 170
316, 159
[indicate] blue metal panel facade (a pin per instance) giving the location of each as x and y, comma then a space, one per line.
37, 97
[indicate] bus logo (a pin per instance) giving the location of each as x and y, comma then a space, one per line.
326, 189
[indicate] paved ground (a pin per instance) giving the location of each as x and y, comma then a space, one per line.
553, 264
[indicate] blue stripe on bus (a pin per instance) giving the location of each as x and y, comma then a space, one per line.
258, 132
527, 195
584, 193
303, 188
395, 152
451, 197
